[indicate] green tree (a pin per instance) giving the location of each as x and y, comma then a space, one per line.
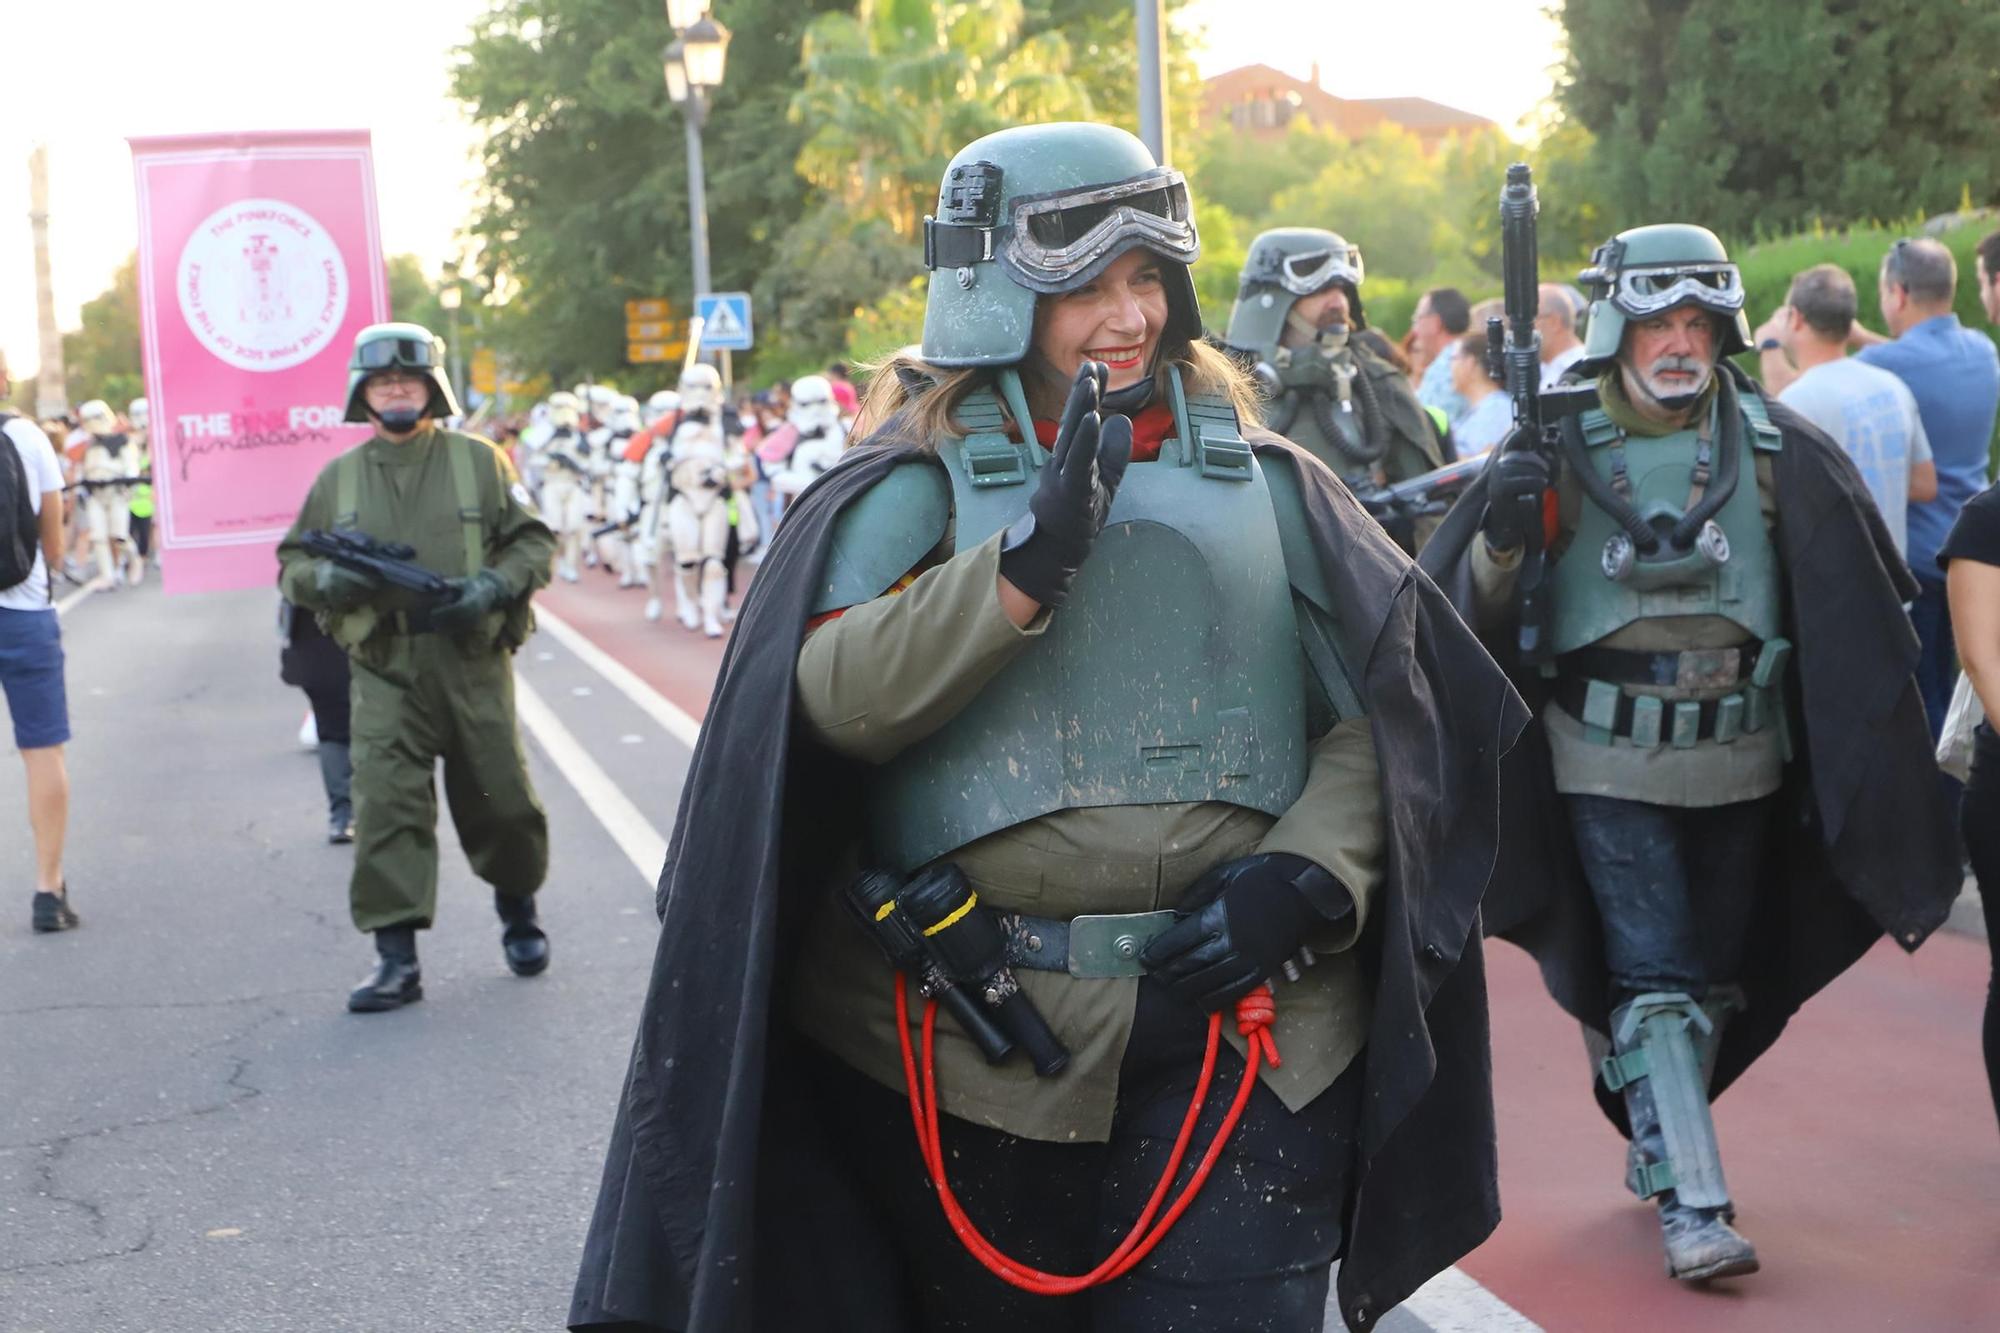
583, 192
1383, 193
1753, 120
101, 358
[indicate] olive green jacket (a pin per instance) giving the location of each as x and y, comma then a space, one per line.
407, 493
889, 672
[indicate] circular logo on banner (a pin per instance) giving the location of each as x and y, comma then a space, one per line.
262, 285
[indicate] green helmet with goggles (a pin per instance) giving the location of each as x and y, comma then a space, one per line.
1283, 265
1040, 210
1648, 271
405, 347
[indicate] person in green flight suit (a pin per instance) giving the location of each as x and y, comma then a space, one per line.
429, 682
1298, 307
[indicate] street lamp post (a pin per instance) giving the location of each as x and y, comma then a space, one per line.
449, 297
693, 65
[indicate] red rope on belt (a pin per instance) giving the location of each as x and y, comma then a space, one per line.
1255, 1013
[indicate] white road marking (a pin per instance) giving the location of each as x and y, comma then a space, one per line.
635, 835
649, 700
67, 604
1452, 1302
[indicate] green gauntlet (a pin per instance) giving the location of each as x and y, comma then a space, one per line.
477, 596
338, 588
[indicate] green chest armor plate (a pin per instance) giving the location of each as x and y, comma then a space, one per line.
1173, 674
1658, 476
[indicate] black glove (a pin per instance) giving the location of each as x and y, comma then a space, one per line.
1515, 481
338, 588
476, 596
1239, 923
1042, 552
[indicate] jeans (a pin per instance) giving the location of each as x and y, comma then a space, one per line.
1675, 889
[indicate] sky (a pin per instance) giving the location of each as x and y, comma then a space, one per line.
81, 75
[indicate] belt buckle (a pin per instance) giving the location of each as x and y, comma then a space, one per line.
1109, 946
1708, 668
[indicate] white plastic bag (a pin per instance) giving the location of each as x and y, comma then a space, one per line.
1954, 752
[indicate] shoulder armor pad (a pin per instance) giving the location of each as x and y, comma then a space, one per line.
1764, 434
882, 534
1598, 429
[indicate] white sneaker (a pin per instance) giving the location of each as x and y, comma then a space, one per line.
689, 617
567, 573
711, 627
652, 608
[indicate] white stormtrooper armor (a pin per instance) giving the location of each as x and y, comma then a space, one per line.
815, 416
110, 461
564, 462
699, 467
610, 445
661, 406
139, 413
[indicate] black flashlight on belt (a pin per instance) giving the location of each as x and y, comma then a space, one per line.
872, 899
969, 946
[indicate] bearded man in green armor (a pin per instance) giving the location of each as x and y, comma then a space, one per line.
1168, 716
1298, 309
1727, 794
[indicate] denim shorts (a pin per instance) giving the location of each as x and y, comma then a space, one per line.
31, 673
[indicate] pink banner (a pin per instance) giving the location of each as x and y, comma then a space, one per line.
259, 260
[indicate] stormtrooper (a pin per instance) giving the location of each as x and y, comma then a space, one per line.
701, 464
110, 466
565, 466
653, 444
820, 435
618, 476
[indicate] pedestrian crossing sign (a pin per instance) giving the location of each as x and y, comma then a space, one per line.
725, 321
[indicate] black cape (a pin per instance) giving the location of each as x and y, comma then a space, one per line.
1861, 841
721, 1207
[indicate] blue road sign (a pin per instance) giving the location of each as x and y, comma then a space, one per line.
725, 321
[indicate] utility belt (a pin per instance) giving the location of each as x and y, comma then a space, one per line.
1591, 687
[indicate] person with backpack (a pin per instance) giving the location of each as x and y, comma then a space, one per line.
31, 655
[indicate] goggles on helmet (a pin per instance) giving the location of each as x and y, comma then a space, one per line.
1055, 242
408, 353
1309, 271
1648, 291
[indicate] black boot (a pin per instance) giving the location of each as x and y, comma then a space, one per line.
396, 980
53, 912
337, 773
522, 940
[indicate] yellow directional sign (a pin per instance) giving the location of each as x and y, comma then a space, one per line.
641, 353
485, 371
650, 310
651, 331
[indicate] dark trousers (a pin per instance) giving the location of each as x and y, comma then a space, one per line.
1979, 819
1674, 887
1937, 665
1251, 1253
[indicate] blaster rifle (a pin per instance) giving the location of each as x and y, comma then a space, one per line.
1397, 507
1514, 354
391, 562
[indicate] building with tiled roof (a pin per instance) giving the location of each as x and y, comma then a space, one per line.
1262, 102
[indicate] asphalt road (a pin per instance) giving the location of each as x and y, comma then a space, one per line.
194, 1133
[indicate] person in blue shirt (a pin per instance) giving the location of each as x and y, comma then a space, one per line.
1954, 373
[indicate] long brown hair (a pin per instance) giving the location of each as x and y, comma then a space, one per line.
930, 395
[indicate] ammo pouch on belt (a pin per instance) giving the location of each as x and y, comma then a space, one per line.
1590, 686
